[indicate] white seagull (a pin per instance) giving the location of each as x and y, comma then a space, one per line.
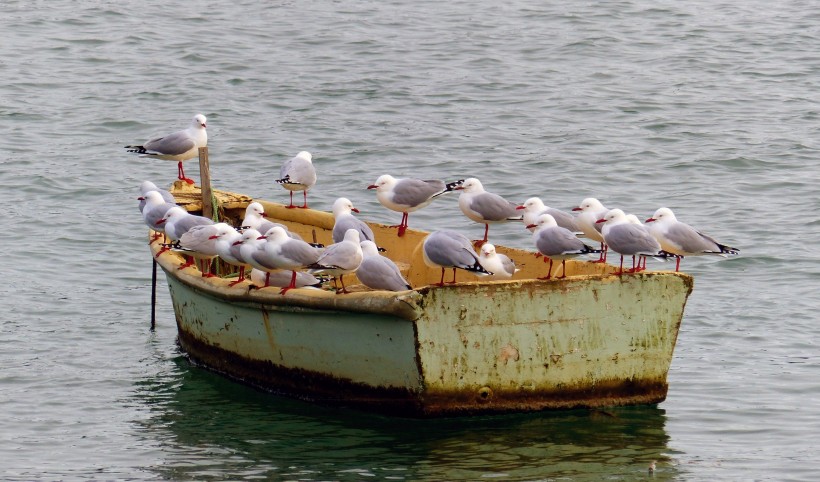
281, 252
589, 212
344, 220
534, 207
556, 242
485, 207
626, 238
199, 242
148, 186
154, 209
408, 194
179, 146
682, 239
255, 219
499, 264
379, 272
228, 248
340, 258
298, 174
449, 249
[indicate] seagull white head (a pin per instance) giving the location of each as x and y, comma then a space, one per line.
352, 235
471, 185
487, 250
305, 155
663, 215
275, 233
532, 205
343, 206
614, 216
589, 204
199, 121
384, 183
544, 221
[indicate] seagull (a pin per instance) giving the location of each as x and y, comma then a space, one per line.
379, 272
626, 238
500, 265
298, 174
199, 242
534, 206
556, 242
250, 242
449, 249
340, 258
255, 219
228, 248
281, 279
179, 146
408, 194
148, 186
344, 220
590, 211
154, 209
484, 207
281, 252
178, 221
682, 239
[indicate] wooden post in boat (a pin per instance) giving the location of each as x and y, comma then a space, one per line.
205, 175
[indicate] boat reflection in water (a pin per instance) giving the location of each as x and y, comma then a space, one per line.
211, 427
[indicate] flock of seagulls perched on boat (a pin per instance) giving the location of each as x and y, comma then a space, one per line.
278, 257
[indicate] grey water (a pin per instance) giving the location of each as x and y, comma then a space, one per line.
708, 107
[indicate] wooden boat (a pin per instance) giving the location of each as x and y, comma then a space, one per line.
593, 339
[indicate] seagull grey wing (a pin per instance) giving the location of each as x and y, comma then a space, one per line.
189, 222
341, 255
563, 219
493, 207
349, 221
556, 241
154, 215
448, 250
631, 239
198, 239
507, 263
298, 171
689, 240
412, 192
300, 252
171, 145
380, 273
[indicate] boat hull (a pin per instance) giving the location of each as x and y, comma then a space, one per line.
472, 348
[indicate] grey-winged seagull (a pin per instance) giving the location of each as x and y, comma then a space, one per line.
449, 249
340, 258
628, 239
485, 207
282, 252
408, 194
499, 264
534, 206
589, 212
379, 272
343, 219
179, 146
556, 242
682, 239
298, 174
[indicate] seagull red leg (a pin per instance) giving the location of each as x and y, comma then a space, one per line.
304, 206
291, 285
182, 174
239, 279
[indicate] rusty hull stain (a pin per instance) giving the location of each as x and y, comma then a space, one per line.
321, 388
